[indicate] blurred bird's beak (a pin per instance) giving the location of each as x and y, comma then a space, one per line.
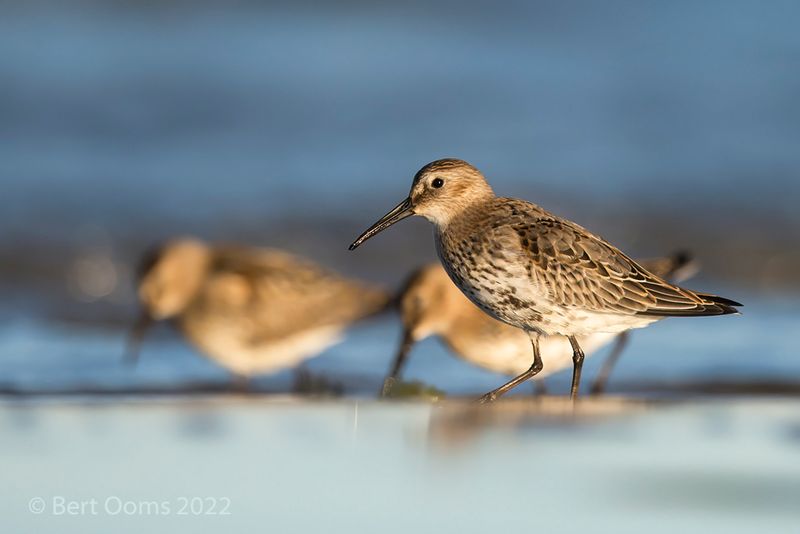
136, 336
400, 212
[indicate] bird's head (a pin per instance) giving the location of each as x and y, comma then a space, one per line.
171, 275
441, 190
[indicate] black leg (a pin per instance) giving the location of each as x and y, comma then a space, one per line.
527, 375
599, 385
399, 362
577, 365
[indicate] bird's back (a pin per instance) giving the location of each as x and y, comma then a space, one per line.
291, 293
264, 309
534, 270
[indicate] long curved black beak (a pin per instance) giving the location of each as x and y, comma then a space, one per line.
136, 336
400, 212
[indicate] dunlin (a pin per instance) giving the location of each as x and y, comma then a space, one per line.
534, 270
251, 310
431, 305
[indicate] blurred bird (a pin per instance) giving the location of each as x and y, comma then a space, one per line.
534, 270
250, 310
431, 305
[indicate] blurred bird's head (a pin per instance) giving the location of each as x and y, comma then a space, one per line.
168, 278
430, 303
171, 275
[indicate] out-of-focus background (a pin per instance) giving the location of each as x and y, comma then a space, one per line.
659, 125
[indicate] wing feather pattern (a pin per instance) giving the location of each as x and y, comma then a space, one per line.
578, 268
289, 295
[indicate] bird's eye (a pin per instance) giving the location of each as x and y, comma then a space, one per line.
437, 183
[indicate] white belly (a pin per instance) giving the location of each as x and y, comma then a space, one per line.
266, 357
512, 297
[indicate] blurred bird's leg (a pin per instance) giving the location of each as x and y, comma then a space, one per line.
527, 375
399, 362
136, 336
599, 385
302, 379
577, 365
240, 383
308, 383
538, 387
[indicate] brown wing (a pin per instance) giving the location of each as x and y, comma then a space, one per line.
579, 269
289, 295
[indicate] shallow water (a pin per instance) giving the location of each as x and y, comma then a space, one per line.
294, 466
755, 346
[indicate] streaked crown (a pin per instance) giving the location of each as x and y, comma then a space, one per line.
444, 188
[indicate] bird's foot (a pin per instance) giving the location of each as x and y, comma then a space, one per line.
397, 389
388, 385
488, 398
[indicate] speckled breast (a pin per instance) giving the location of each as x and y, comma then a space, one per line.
483, 275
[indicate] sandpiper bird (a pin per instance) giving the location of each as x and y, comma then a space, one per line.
534, 270
250, 310
431, 305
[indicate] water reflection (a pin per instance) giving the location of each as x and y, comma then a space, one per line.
666, 465
456, 424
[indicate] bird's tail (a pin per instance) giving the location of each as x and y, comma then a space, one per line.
694, 305
719, 305
675, 301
